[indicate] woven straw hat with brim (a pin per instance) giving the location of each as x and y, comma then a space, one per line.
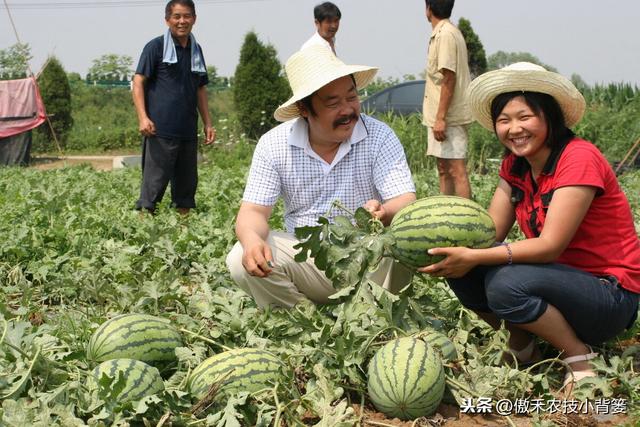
525, 77
312, 68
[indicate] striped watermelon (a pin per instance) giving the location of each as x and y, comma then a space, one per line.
140, 379
142, 337
406, 379
440, 342
242, 369
439, 221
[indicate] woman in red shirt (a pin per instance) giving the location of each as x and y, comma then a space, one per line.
574, 281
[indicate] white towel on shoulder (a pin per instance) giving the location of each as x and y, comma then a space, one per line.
170, 56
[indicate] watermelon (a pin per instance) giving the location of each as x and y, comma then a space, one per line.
140, 378
440, 342
141, 337
406, 379
439, 221
242, 369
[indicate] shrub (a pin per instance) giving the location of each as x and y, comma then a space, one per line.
259, 86
56, 94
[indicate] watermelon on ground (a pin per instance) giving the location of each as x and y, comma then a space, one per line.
141, 337
440, 342
141, 379
242, 369
406, 379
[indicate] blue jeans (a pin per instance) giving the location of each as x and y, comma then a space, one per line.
597, 308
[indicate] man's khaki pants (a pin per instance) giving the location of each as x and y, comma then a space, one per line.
291, 281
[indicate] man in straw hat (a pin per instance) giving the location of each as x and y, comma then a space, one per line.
445, 110
574, 280
324, 151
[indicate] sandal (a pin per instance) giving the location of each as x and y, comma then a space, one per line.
528, 355
573, 376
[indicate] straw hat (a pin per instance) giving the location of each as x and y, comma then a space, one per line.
526, 77
310, 69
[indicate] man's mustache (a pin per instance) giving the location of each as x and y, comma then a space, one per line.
342, 119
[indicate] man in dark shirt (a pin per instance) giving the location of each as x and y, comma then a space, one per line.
169, 89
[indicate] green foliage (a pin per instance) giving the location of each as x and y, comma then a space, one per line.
259, 86
74, 252
111, 67
502, 59
14, 61
56, 94
216, 82
475, 50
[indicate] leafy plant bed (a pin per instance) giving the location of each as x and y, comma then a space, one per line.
74, 254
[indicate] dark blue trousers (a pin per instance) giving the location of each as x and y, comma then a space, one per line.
597, 308
167, 160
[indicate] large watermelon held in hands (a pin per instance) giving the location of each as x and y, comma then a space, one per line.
406, 379
141, 337
242, 369
140, 379
439, 221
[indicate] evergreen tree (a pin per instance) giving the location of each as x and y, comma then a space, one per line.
56, 94
475, 50
259, 86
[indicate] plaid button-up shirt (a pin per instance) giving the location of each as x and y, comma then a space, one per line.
370, 165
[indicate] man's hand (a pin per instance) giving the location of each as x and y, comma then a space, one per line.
147, 127
257, 259
440, 130
209, 134
376, 209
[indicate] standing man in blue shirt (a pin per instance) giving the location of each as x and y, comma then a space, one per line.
169, 89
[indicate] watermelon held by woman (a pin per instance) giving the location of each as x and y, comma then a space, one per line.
406, 379
142, 337
439, 221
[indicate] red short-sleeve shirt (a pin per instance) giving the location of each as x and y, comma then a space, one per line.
606, 242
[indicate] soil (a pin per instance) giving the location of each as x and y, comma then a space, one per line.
101, 163
450, 416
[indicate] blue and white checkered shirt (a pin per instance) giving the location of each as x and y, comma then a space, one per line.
370, 165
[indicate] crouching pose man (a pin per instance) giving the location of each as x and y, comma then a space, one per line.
324, 151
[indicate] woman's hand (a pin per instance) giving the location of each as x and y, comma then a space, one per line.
458, 261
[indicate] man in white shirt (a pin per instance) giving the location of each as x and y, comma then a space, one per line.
324, 151
327, 18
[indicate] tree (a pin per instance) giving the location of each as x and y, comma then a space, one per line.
56, 94
111, 67
259, 86
216, 81
14, 61
502, 59
579, 82
475, 50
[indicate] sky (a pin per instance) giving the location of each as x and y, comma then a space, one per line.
601, 44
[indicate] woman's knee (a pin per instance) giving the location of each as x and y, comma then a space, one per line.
509, 296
